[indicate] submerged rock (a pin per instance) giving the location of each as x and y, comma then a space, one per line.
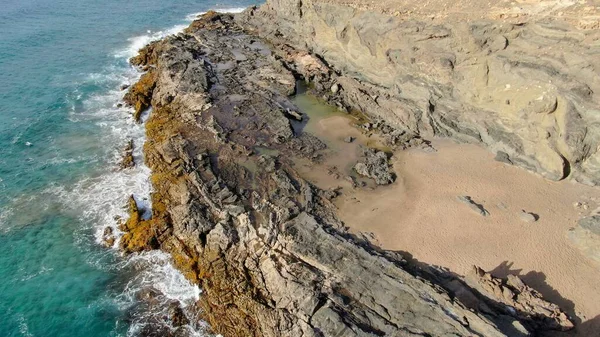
108, 237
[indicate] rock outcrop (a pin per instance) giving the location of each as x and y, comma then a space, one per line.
522, 80
139, 95
266, 246
586, 236
518, 297
375, 165
127, 161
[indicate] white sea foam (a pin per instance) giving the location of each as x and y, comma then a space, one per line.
23, 327
156, 275
194, 16
139, 42
100, 200
43, 270
162, 276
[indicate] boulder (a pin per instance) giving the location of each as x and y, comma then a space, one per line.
375, 165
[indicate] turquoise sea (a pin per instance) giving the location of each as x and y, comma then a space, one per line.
61, 134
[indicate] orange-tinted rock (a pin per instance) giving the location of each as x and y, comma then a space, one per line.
127, 161
140, 94
139, 234
146, 56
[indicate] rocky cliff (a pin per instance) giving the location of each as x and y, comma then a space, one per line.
266, 246
519, 77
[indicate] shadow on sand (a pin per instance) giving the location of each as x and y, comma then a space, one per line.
536, 280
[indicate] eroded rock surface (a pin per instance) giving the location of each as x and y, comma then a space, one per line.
127, 161
266, 246
375, 165
517, 296
586, 236
522, 80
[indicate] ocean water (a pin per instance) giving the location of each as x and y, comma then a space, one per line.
61, 136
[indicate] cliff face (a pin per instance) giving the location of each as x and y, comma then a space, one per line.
266, 246
521, 80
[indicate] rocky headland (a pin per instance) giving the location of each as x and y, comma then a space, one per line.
266, 245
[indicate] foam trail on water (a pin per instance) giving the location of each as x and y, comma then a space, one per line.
23, 327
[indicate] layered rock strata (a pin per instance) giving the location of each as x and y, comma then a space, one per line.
266, 246
522, 80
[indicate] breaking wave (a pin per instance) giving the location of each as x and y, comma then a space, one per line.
157, 297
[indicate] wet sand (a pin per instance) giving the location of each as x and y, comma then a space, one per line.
420, 214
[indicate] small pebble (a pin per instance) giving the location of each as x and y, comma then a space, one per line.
335, 88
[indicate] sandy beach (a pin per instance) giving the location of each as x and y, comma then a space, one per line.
421, 216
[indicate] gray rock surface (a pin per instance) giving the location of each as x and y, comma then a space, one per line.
524, 83
475, 207
591, 223
266, 246
375, 165
586, 236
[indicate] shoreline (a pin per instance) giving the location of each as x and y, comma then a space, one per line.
191, 143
